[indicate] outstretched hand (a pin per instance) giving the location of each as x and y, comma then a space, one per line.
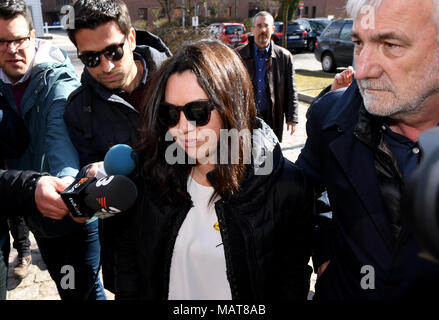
343, 79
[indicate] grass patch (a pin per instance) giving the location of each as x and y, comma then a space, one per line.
312, 82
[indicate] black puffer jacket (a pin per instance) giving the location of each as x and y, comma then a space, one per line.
265, 228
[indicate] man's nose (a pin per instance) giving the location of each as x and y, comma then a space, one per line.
367, 62
106, 65
11, 47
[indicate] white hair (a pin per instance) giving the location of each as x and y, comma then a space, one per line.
354, 8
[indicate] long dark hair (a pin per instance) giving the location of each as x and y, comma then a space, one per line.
222, 75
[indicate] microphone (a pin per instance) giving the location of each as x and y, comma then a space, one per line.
120, 160
87, 197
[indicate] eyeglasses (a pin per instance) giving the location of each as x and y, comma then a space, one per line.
20, 43
92, 59
198, 111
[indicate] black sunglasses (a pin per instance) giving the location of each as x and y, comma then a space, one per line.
198, 111
92, 59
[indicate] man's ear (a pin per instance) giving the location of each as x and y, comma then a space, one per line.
132, 39
33, 34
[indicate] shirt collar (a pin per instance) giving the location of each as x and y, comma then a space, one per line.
266, 50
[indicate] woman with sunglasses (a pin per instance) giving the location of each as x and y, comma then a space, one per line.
221, 213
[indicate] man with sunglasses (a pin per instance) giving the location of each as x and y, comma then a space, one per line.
119, 62
36, 79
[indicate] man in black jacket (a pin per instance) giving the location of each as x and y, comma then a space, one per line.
362, 146
104, 111
22, 191
272, 73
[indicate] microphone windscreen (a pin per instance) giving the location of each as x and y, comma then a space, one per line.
120, 160
111, 194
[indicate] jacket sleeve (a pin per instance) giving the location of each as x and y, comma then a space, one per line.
77, 121
310, 160
14, 137
292, 96
294, 243
61, 155
17, 192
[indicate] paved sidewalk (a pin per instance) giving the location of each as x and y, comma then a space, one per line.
38, 284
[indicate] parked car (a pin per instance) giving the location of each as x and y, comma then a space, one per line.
334, 47
314, 28
232, 34
296, 35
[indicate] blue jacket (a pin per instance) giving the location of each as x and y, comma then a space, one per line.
359, 242
53, 78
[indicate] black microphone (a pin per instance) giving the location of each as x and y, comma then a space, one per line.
87, 197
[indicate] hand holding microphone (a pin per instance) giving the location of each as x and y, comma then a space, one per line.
94, 193
88, 196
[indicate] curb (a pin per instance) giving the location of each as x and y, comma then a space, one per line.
306, 98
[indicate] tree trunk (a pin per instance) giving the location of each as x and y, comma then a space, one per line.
285, 23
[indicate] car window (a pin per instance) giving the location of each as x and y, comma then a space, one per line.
333, 30
294, 27
278, 27
345, 33
233, 29
305, 24
318, 26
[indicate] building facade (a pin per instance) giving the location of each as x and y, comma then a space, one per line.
323, 9
151, 10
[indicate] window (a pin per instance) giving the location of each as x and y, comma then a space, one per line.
228, 12
142, 13
314, 10
346, 32
306, 11
319, 26
234, 29
333, 30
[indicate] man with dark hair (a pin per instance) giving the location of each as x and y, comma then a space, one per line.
271, 70
36, 79
104, 110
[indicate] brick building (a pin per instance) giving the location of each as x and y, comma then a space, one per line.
323, 8
239, 9
147, 9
